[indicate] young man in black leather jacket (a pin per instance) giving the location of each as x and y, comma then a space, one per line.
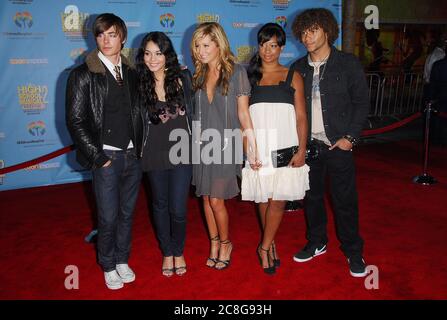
105, 123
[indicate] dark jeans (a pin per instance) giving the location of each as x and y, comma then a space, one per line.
116, 190
339, 165
438, 133
170, 189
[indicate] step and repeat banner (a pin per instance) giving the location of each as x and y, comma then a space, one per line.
42, 40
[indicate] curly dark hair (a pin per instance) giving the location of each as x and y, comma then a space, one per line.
146, 86
316, 18
267, 32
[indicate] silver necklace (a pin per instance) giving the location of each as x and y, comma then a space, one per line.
324, 61
316, 79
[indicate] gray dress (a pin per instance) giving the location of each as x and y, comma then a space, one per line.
218, 179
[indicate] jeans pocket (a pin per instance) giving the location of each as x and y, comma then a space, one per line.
110, 154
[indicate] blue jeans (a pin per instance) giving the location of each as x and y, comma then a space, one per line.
116, 190
170, 189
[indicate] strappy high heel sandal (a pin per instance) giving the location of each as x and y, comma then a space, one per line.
276, 260
270, 270
181, 270
210, 259
168, 272
226, 263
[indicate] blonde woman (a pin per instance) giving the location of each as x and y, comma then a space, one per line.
222, 91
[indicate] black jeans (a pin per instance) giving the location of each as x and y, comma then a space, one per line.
116, 190
438, 134
339, 165
170, 189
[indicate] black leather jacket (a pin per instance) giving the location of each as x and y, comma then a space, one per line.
84, 109
344, 94
188, 94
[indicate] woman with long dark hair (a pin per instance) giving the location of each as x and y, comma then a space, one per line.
277, 109
166, 99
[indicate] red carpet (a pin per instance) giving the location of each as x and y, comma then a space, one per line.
404, 226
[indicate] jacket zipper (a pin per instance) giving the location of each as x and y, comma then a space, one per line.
102, 112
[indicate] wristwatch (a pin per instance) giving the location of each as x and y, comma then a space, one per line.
350, 139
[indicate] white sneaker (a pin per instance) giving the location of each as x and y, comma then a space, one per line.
125, 272
113, 280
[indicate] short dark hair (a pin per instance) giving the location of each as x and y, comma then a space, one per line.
105, 21
268, 31
314, 18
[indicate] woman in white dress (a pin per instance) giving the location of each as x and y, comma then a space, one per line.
277, 110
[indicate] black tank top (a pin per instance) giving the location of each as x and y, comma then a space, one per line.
282, 92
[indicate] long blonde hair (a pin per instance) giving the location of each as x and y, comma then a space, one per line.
226, 57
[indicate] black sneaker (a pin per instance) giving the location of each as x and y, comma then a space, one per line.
309, 251
357, 266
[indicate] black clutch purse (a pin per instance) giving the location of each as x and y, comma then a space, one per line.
281, 157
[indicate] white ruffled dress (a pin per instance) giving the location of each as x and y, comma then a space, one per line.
273, 115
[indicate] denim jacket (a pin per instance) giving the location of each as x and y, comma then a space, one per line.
344, 94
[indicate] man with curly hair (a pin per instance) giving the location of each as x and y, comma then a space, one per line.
337, 104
